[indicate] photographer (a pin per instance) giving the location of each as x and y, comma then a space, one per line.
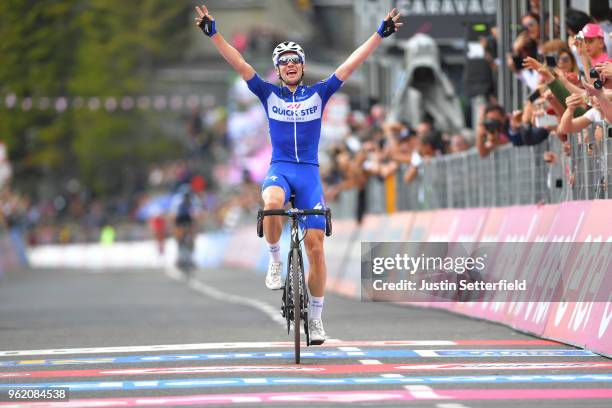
530, 127
523, 47
492, 131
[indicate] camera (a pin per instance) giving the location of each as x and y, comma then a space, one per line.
598, 84
492, 125
579, 36
551, 60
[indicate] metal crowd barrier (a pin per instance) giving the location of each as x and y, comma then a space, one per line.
509, 176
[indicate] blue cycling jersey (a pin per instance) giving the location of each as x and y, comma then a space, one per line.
294, 119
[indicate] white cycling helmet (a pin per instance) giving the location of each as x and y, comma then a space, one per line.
287, 46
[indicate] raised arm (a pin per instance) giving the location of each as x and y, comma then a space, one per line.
388, 26
207, 23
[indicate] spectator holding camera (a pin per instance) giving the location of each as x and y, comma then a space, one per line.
591, 47
559, 56
575, 20
492, 131
524, 46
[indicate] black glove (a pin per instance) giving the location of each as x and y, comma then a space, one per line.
208, 26
387, 27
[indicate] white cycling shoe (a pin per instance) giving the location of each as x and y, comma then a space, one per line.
273, 277
316, 334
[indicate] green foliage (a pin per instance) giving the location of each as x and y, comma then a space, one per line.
85, 48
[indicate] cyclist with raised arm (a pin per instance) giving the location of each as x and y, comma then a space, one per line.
294, 115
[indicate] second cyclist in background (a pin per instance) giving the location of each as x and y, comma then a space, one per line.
186, 209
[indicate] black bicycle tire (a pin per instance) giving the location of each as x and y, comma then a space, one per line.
297, 301
304, 298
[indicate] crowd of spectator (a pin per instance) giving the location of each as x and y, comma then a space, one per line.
570, 85
568, 82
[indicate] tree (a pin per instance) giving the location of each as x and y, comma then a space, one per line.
103, 48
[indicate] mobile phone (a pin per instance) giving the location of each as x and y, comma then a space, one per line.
518, 62
551, 61
534, 95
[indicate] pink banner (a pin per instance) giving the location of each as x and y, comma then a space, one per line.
521, 225
599, 228
582, 321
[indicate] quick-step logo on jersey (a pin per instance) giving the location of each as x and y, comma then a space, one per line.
288, 111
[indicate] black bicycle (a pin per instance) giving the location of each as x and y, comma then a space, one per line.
294, 306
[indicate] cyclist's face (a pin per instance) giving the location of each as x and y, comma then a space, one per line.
291, 73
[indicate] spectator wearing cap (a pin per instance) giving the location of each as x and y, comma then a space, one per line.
594, 44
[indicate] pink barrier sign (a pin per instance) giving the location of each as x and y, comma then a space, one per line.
585, 319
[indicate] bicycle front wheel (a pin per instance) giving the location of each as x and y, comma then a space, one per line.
296, 283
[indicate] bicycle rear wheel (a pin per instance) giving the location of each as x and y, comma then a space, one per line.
296, 284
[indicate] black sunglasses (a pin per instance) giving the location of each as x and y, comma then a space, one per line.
286, 59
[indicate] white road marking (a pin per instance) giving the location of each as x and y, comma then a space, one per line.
426, 353
370, 362
423, 392
271, 311
349, 349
